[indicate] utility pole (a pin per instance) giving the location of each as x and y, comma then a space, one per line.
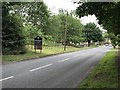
65, 34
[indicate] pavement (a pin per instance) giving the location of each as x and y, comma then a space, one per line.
58, 71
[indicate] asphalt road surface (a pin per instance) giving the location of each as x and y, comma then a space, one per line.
58, 71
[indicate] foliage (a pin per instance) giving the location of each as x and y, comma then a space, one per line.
31, 32
61, 22
33, 15
23, 21
74, 29
107, 14
37, 14
118, 39
114, 39
72, 26
106, 35
92, 33
12, 35
55, 28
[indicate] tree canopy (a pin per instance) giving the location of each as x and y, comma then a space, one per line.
92, 33
12, 35
107, 13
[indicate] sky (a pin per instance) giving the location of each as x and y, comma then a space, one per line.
55, 5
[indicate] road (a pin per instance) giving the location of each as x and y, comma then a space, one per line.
57, 71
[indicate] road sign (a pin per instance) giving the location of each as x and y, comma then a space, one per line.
38, 43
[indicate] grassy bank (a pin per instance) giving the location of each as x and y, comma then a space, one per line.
104, 75
46, 51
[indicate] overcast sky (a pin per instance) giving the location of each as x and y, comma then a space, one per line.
55, 5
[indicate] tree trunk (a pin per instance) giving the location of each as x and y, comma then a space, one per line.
88, 43
114, 46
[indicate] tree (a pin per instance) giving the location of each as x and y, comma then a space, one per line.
61, 22
33, 12
38, 15
31, 31
74, 29
114, 39
55, 28
72, 26
12, 35
92, 33
107, 14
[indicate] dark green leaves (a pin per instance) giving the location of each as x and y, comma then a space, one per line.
107, 13
92, 32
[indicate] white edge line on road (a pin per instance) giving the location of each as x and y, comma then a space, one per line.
40, 67
64, 60
6, 78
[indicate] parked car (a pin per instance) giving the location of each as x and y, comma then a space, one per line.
110, 45
106, 44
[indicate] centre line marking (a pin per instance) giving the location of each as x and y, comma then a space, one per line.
76, 55
6, 78
40, 67
64, 60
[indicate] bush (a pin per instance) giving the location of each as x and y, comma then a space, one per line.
13, 41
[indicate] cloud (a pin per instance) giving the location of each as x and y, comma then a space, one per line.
55, 5
88, 19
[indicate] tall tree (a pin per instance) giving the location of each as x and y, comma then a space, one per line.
92, 33
74, 29
55, 28
33, 12
38, 15
71, 26
12, 35
65, 23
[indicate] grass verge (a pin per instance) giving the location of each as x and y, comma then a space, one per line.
105, 74
31, 53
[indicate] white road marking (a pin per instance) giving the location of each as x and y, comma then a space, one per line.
64, 60
70, 53
6, 78
76, 56
40, 67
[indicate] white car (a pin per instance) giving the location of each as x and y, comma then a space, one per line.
106, 44
110, 45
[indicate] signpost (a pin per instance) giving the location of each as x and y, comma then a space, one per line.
38, 43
